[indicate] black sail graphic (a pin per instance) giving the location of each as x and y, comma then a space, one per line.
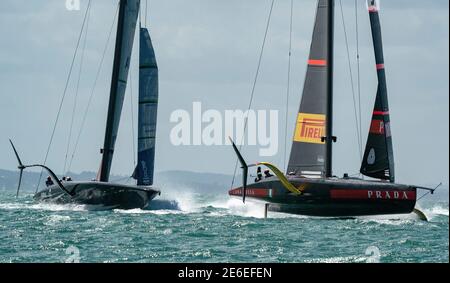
378, 161
128, 14
308, 152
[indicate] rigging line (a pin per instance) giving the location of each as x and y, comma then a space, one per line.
428, 192
424, 195
358, 74
253, 87
76, 93
146, 11
64, 93
132, 119
351, 80
140, 14
93, 88
288, 87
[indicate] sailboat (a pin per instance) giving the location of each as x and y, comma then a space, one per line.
101, 192
309, 186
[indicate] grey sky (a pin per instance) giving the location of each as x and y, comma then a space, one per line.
207, 51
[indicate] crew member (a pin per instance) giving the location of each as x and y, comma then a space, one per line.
258, 174
267, 174
49, 181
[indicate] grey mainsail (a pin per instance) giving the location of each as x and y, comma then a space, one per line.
128, 14
148, 106
308, 152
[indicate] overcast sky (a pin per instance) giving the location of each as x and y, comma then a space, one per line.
207, 51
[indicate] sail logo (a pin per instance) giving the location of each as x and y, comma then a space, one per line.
310, 128
377, 127
145, 178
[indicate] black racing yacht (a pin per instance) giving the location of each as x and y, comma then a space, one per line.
101, 192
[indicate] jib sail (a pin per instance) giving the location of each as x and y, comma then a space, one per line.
378, 161
148, 106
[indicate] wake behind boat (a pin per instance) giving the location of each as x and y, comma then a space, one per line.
309, 186
101, 192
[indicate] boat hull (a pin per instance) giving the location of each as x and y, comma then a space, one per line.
333, 197
99, 195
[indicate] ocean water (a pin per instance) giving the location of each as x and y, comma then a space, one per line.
190, 227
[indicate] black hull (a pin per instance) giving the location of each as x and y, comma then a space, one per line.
344, 209
333, 197
99, 195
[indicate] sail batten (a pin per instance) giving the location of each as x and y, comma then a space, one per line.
378, 160
148, 106
309, 150
128, 14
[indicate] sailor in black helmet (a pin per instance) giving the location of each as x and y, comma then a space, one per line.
267, 174
49, 181
258, 174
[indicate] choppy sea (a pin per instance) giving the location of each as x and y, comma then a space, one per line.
190, 227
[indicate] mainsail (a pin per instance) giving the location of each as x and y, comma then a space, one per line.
148, 106
128, 14
309, 150
378, 161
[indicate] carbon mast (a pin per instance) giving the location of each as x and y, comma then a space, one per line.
329, 138
128, 14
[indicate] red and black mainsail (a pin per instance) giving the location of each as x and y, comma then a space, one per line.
308, 152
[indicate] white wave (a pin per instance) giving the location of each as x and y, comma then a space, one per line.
146, 211
390, 219
55, 219
387, 221
247, 209
132, 211
438, 210
434, 211
10, 206
167, 211
339, 259
184, 198
189, 202
43, 206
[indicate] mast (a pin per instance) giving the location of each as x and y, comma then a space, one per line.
128, 13
329, 138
